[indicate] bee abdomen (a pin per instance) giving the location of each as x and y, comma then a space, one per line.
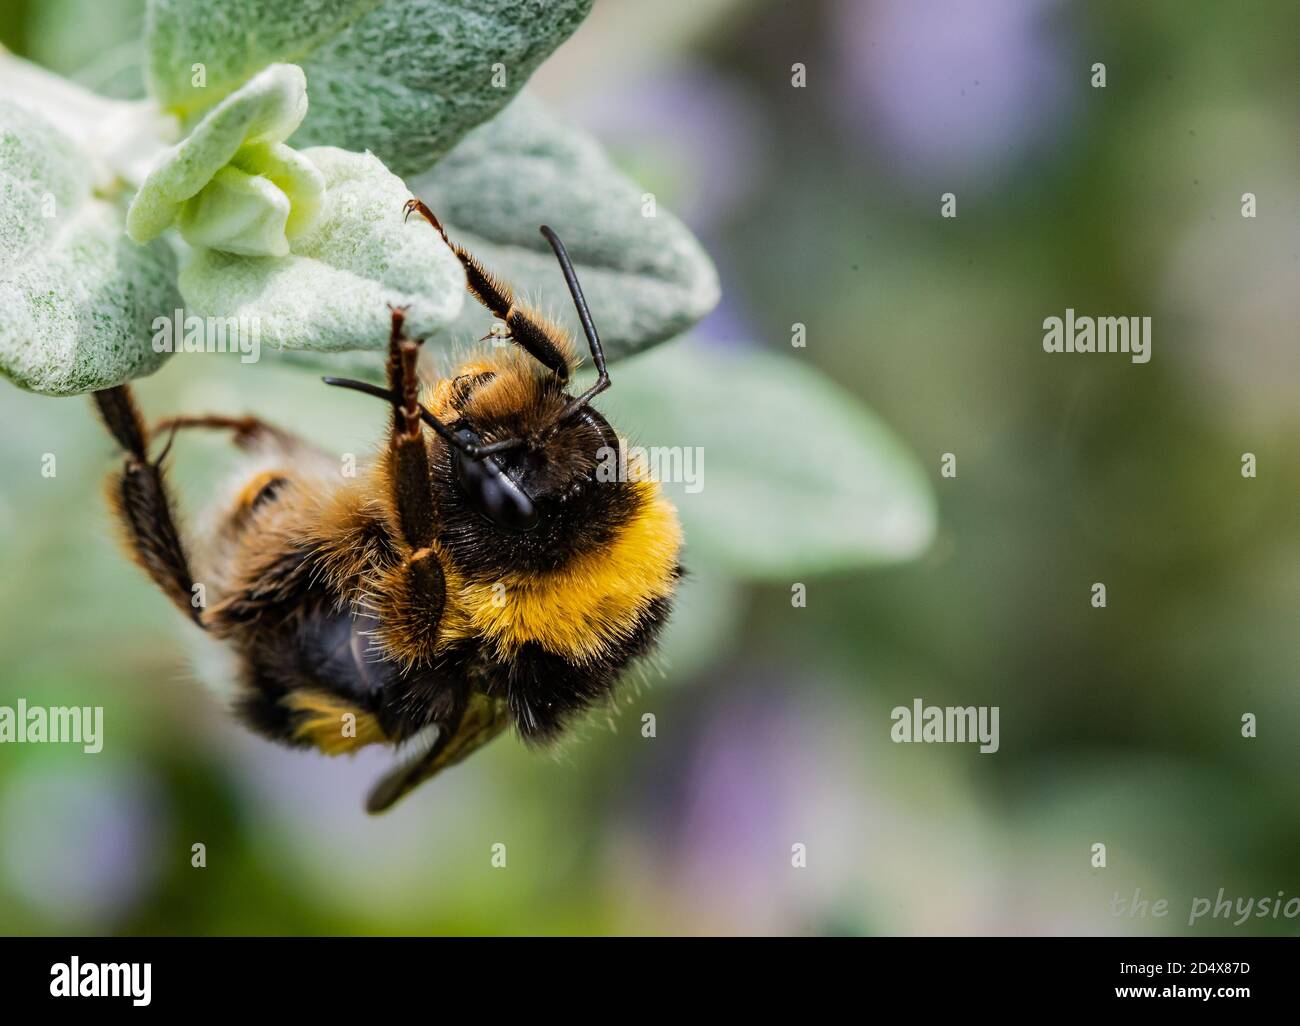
546, 691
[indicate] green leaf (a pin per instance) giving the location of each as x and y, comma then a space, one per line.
402, 78
645, 278
231, 184
333, 290
797, 476
97, 43
708, 611
77, 298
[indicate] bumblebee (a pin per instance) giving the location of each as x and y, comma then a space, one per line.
476, 573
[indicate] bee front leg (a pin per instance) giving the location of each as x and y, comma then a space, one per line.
528, 329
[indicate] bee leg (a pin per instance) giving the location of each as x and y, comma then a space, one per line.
528, 329
409, 459
140, 499
411, 625
471, 722
249, 432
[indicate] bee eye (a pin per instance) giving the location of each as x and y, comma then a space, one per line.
492, 491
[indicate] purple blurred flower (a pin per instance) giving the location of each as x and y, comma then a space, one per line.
82, 842
955, 92
697, 136
384, 868
695, 133
769, 771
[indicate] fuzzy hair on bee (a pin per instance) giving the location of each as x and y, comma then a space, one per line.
476, 574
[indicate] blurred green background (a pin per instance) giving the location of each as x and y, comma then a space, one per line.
820, 205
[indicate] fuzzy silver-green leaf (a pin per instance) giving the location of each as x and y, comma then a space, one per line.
77, 297
402, 78
791, 474
231, 184
333, 290
646, 278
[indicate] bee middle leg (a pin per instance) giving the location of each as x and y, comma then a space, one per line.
249, 432
414, 598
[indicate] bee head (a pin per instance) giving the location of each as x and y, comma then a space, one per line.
517, 480
514, 489
513, 453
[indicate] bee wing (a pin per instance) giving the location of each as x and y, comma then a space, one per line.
434, 749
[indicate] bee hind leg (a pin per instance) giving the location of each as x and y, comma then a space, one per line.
142, 503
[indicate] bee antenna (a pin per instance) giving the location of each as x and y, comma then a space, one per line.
360, 386
588, 328
467, 448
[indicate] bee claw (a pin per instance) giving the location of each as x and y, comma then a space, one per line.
171, 438
418, 206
